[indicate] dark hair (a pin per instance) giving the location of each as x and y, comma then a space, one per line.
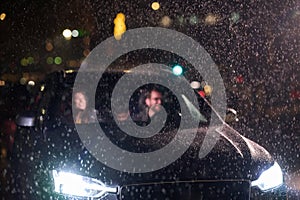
152, 87
145, 92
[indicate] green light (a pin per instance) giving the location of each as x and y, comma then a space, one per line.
177, 70
193, 20
235, 17
30, 60
58, 60
181, 20
50, 60
82, 33
24, 62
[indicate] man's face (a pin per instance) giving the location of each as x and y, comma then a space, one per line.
155, 98
154, 101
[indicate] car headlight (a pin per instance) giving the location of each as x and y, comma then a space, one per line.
72, 184
270, 178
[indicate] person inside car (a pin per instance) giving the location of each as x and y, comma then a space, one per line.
150, 103
153, 101
81, 113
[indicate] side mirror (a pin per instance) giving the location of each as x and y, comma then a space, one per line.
26, 119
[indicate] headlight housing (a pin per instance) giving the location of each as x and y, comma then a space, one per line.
75, 185
270, 178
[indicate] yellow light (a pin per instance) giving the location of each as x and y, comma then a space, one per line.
211, 19
166, 21
155, 6
120, 26
2, 16
24, 62
207, 90
69, 71
43, 111
2, 83
23, 81
67, 33
42, 88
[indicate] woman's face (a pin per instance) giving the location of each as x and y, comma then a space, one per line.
80, 101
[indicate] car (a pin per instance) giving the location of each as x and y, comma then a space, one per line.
24, 97
56, 158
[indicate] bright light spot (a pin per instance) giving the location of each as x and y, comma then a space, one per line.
195, 84
120, 26
50, 60
166, 21
2, 16
73, 184
2, 83
32, 83
207, 90
155, 6
42, 88
75, 33
177, 70
210, 19
23, 81
67, 33
69, 71
49, 46
270, 178
58, 60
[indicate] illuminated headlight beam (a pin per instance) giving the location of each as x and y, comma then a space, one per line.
75, 185
269, 179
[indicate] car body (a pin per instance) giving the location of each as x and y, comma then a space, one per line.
52, 161
24, 97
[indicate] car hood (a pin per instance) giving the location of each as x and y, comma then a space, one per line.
232, 157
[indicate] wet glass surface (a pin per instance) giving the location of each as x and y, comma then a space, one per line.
255, 46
